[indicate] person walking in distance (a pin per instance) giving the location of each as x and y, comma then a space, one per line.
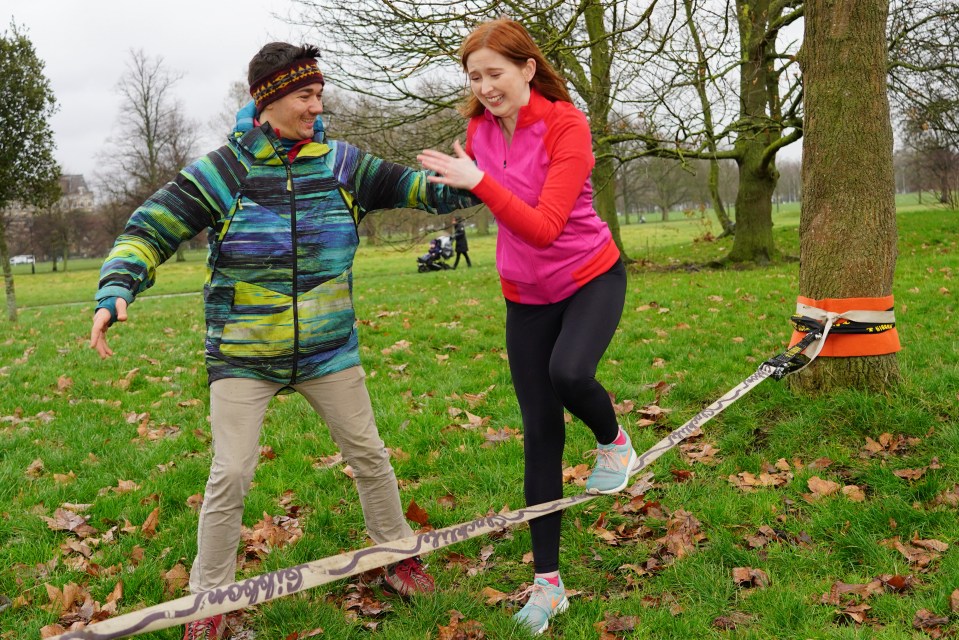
282, 204
528, 157
459, 242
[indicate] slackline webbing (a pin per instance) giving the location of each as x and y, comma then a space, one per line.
284, 582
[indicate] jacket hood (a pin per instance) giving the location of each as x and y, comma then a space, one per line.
247, 114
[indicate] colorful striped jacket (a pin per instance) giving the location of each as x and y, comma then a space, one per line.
282, 237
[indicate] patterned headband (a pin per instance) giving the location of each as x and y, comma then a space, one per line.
285, 81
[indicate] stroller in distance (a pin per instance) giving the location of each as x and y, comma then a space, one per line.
441, 250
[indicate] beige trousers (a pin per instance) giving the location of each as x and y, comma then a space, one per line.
237, 407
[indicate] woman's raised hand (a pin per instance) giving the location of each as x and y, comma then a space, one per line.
457, 171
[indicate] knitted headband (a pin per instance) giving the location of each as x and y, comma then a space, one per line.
284, 82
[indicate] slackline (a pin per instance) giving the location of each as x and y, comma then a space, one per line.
284, 582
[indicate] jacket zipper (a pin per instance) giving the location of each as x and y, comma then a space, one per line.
218, 241
505, 157
296, 320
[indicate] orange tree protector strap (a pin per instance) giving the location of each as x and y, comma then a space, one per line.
877, 335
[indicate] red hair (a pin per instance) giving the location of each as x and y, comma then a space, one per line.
511, 40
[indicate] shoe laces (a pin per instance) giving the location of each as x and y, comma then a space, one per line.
539, 595
199, 629
413, 568
605, 456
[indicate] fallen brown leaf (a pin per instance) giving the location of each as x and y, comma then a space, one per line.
855, 613
149, 526
748, 578
854, 493
34, 469
175, 579
577, 475
732, 621
821, 487
64, 520
417, 514
492, 596
926, 619
458, 629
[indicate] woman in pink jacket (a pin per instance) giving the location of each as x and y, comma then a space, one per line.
528, 156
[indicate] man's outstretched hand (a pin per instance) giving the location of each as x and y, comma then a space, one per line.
102, 320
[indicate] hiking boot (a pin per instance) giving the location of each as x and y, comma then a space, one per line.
613, 464
408, 577
545, 601
205, 629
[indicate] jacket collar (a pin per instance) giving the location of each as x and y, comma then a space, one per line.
536, 110
262, 142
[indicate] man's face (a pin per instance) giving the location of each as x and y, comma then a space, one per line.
294, 114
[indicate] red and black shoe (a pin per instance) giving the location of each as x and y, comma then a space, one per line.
205, 629
408, 577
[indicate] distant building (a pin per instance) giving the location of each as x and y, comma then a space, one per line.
76, 194
25, 237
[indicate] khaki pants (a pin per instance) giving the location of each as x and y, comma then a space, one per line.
237, 407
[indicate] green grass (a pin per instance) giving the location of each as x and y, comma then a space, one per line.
454, 322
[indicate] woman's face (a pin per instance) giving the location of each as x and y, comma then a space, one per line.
500, 84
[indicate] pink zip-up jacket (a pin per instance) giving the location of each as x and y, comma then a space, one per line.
551, 241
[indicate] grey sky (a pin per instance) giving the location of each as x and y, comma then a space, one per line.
86, 45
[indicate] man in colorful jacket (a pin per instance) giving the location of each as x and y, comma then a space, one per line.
282, 205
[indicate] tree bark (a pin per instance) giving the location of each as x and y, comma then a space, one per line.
482, 219
372, 228
599, 106
848, 222
716, 198
702, 73
604, 194
11, 296
754, 209
757, 170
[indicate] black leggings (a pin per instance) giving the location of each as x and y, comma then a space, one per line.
553, 353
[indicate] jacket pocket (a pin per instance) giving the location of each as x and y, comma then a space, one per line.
258, 325
326, 316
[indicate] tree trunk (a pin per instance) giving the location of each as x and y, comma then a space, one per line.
753, 241
371, 226
757, 170
604, 194
717, 200
599, 106
700, 82
7, 273
482, 219
180, 254
624, 189
847, 227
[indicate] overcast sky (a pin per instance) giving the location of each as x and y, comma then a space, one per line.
86, 47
